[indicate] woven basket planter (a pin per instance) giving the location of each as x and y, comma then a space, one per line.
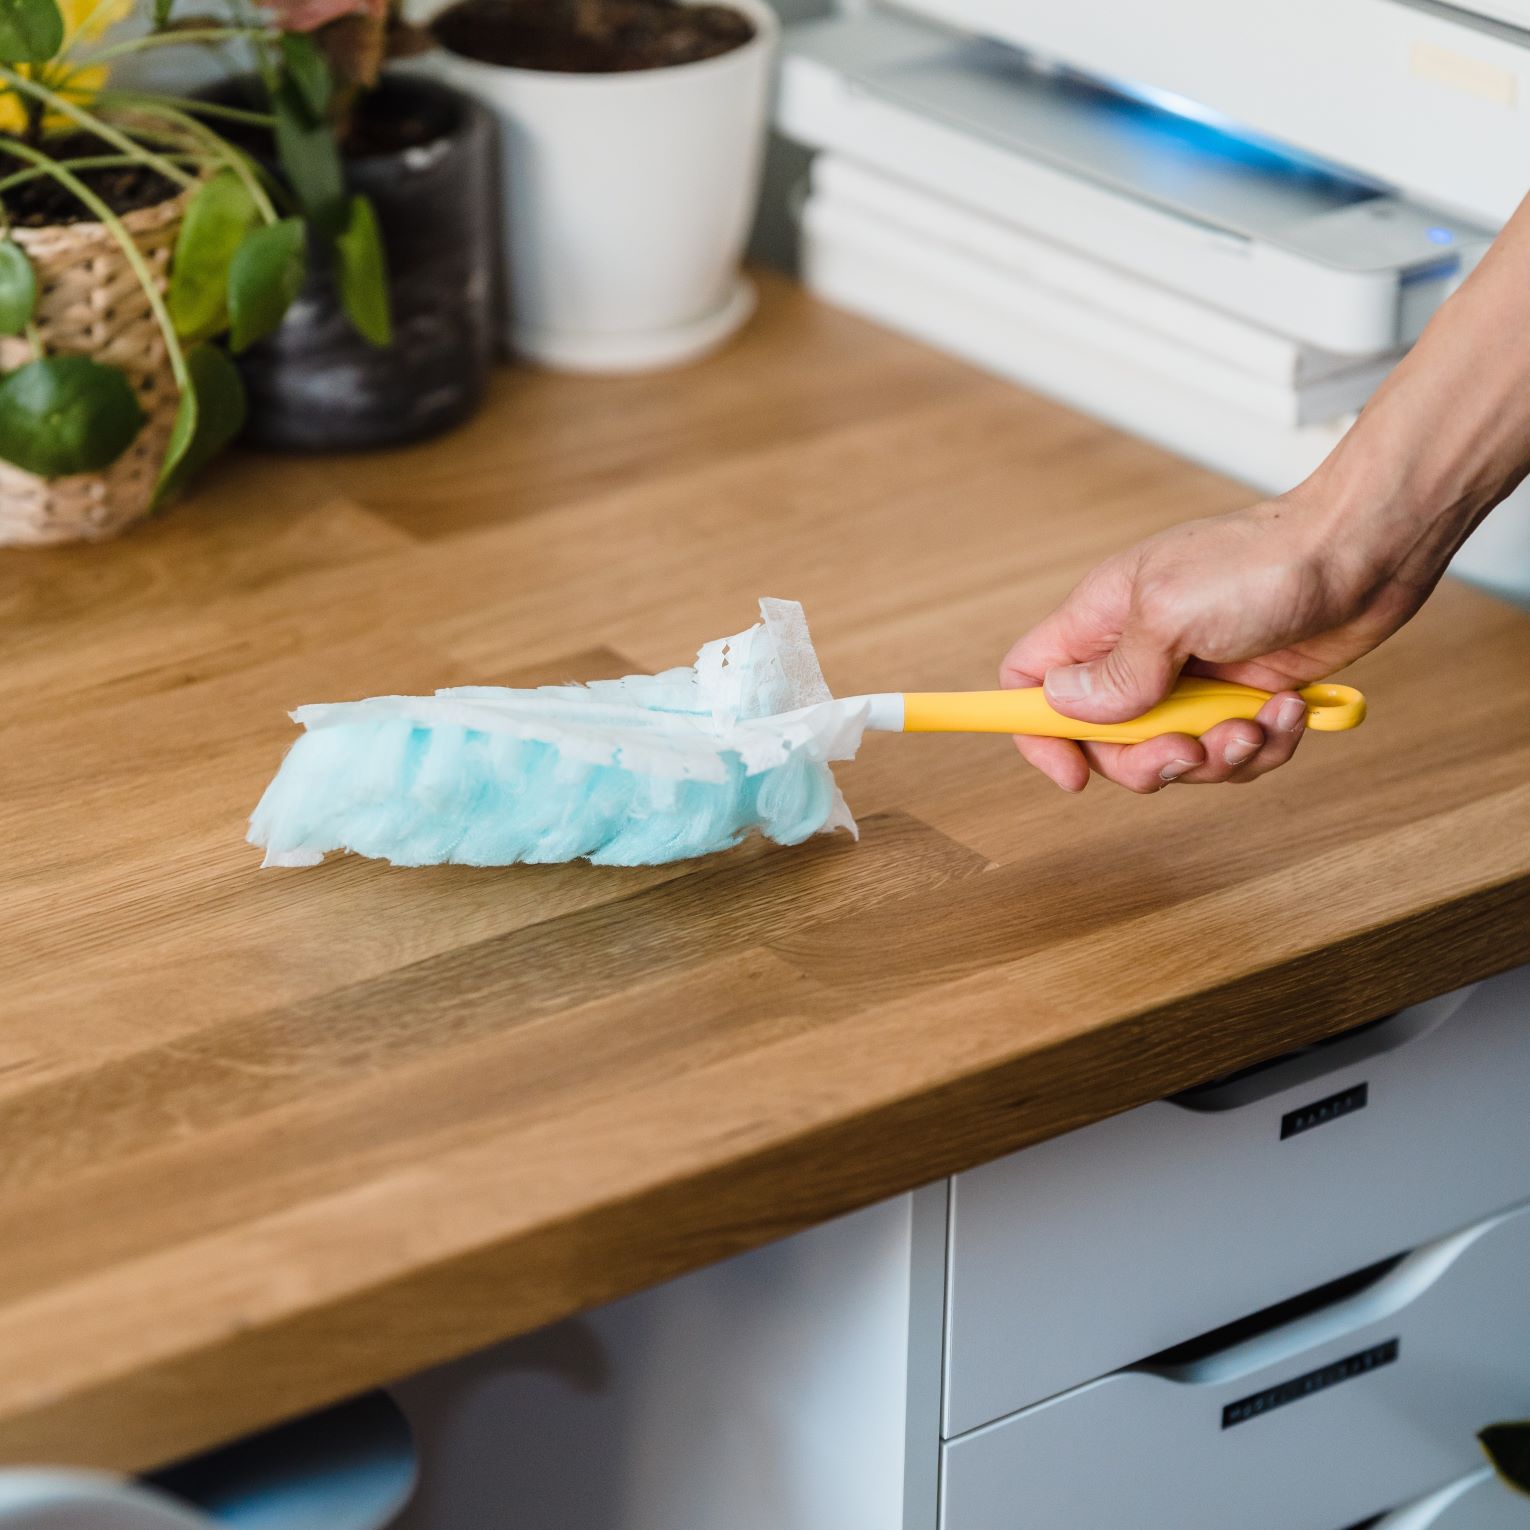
90, 303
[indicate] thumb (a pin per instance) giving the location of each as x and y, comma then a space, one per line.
1136, 674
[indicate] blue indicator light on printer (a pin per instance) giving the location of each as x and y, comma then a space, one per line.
1438, 235
1170, 117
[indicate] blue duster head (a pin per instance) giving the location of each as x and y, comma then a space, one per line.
630, 772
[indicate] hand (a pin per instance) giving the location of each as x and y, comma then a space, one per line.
1275, 596
1289, 591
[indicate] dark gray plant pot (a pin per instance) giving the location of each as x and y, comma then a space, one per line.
316, 385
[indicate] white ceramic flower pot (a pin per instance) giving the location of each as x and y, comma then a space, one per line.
627, 201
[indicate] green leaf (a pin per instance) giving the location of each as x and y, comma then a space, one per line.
216, 222
18, 288
162, 9
210, 416
31, 31
66, 414
309, 159
1507, 1446
361, 271
308, 70
182, 433
263, 278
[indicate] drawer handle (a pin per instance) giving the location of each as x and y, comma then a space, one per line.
1402, 1285
1348, 1049
1424, 1513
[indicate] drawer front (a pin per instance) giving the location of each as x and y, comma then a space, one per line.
1476, 1502
1319, 1422
1085, 1254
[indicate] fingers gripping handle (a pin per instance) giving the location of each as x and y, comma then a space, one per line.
1194, 706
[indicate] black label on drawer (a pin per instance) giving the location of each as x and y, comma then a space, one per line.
1345, 1103
1320, 1380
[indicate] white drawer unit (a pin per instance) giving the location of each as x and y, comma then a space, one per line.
1478, 1501
1084, 1254
1316, 1422
802, 1386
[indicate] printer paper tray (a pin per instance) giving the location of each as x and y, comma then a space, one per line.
925, 292
1302, 253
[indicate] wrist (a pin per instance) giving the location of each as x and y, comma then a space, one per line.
1378, 476
1390, 499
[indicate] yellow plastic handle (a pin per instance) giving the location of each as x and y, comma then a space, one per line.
1194, 706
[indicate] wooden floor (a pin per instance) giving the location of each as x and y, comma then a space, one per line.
270, 1137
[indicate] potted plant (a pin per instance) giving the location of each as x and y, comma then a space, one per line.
132, 236
632, 139
338, 373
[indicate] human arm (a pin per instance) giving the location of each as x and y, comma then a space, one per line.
1292, 589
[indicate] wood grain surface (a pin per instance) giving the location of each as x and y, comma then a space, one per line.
268, 1138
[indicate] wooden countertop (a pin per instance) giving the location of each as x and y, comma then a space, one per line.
267, 1138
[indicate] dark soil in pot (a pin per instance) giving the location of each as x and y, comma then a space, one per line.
42, 203
590, 36
425, 155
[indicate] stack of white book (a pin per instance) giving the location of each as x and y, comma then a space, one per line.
1205, 383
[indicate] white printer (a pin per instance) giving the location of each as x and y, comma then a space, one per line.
1214, 222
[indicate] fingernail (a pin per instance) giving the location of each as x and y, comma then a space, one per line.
1069, 682
1240, 750
1175, 769
1290, 714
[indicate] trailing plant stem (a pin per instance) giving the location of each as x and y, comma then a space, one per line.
93, 125
85, 162
130, 250
188, 104
172, 39
85, 28
215, 148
